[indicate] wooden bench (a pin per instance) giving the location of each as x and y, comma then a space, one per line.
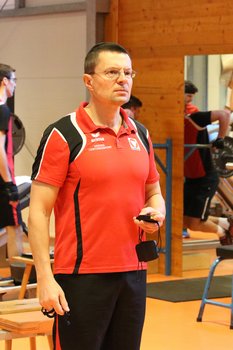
24, 305
23, 318
9, 336
23, 325
13, 292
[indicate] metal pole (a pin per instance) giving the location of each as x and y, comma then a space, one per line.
168, 207
167, 169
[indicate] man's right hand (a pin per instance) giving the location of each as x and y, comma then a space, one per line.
51, 296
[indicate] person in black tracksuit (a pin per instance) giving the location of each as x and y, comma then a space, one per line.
201, 178
10, 215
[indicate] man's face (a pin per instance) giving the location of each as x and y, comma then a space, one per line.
188, 98
11, 85
111, 82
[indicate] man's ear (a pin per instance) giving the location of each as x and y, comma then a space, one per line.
5, 81
87, 78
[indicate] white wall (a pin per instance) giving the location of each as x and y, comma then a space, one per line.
8, 6
205, 72
215, 100
48, 53
35, 3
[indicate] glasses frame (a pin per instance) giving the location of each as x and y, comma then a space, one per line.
115, 77
14, 79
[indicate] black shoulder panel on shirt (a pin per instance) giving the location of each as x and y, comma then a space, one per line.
71, 134
142, 132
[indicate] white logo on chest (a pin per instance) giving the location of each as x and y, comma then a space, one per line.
96, 137
133, 144
97, 134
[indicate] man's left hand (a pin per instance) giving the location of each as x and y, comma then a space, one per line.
218, 143
150, 227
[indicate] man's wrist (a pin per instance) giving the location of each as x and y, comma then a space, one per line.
12, 191
9, 183
218, 143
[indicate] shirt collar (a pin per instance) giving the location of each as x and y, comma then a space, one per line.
88, 126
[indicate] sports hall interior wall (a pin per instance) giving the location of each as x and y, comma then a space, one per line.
47, 50
46, 42
158, 35
49, 67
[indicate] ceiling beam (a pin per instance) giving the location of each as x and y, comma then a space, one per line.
21, 10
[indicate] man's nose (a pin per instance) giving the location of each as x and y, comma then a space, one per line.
122, 76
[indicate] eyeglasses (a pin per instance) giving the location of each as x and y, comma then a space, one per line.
114, 74
12, 79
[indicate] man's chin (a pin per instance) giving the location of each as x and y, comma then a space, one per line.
121, 100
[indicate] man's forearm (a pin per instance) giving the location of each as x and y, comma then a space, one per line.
156, 201
4, 170
223, 118
39, 242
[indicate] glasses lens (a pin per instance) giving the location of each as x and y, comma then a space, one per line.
113, 74
133, 75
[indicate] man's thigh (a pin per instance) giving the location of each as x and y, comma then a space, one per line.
126, 326
98, 303
197, 197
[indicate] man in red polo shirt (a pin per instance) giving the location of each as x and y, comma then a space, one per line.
96, 168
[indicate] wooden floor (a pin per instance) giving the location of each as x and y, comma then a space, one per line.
173, 326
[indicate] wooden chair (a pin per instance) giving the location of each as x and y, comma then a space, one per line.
23, 318
21, 325
13, 292
223, 253
25, 324
9, 336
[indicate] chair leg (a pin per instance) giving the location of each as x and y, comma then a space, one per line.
50, 341
231, 323
8, 344
32, 343
207, 287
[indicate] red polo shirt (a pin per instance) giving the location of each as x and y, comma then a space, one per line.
101, 189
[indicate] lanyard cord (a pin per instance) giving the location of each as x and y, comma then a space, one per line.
140, 234
159, 241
